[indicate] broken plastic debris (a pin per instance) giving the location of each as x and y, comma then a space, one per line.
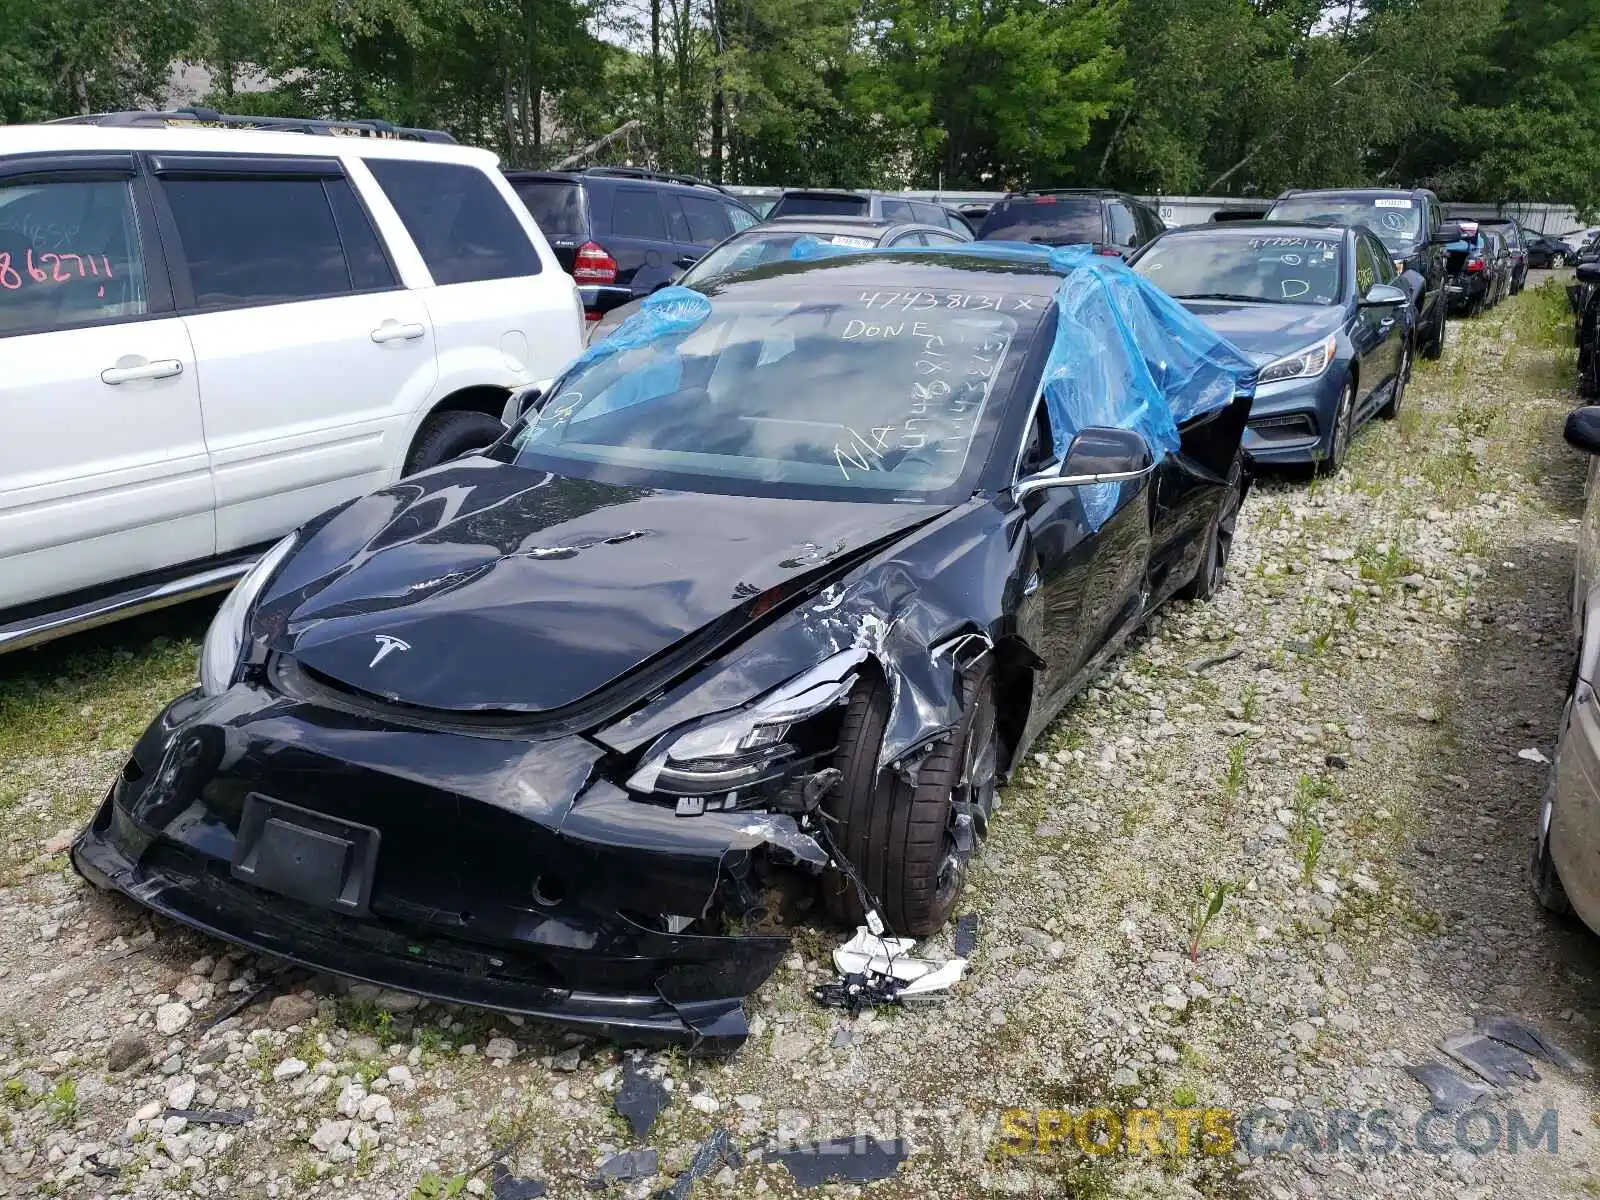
867, 953
966, 939
503, 1185
942, 979
1497, 1063
1518, 1033
640, 1099
1448, 1091
630, 1164
213, 1116
1532, 754
715, 1150
856, 1160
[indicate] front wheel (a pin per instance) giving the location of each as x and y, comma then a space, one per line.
1433, 347
1213, 570
1391, 409
1542, 876
1344, 418
910, 842
1557, 261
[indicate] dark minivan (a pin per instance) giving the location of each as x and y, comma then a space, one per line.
1112, 222
623, 233
1410, 223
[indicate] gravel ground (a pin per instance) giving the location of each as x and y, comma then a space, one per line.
1347, 781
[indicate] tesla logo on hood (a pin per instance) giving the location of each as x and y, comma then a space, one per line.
386, 646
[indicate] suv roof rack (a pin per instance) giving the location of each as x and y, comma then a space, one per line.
1066, 191
196, 117
657, 176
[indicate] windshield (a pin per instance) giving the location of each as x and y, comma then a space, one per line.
883, 393
759, 247
556, 205
812, 204
1276, 268
1051, 220
1395, 219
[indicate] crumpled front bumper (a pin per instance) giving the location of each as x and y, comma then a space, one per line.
503, 873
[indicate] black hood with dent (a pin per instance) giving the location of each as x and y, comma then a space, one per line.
487, 587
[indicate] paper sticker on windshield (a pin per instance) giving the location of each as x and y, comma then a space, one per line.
1392, 203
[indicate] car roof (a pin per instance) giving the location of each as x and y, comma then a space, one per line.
1354, 193
1284, 228
887, 270
64, 138
632, 175
825, 224
841, 193
1086, 193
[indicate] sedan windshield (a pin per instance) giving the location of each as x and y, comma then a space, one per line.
1395, 219
1253, 266
889, 394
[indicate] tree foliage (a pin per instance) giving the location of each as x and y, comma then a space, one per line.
1492, 99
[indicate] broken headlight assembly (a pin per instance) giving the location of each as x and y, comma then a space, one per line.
224, 644
1302, 364
754, 754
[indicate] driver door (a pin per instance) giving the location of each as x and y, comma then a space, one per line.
1082, 588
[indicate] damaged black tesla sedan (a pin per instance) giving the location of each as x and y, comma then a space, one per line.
781, 578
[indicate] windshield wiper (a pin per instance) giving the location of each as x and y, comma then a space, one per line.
1230, 296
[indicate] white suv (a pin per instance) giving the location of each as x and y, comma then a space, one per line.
211, 331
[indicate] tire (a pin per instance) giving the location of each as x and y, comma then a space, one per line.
448, 435
1391, 409
1213, 570
1433, 347
903, 839
1542, 876
1557, 261
1344, 428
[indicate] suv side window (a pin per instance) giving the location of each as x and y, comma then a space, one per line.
1122, 231
460, 222
706, 219
69, 255
897, 210
636, 212
741, 218
1366, 266
928, 214
258, 240
1381, 260
1150, 223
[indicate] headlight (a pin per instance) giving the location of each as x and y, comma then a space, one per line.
740, 749
1303, 364
219, 656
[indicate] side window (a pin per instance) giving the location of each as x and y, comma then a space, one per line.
1119, 219
370, 270
1149, 224
257, 240
928, 214
1038, 448
943, 239
741, 218
69, 255
1382, 261
915, 238
636, 212
1366, 266
707, 219
460, 222
897, 210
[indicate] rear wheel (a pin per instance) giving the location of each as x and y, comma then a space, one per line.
1213, 572
910, 843
1542, 877
1557, 261
1433, 345
448, 435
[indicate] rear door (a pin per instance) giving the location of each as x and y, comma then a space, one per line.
1122, 230
103, 467
310, 354
699, 223
558, 209
637, 235
1378, 332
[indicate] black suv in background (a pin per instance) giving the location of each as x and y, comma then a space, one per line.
1410, 223
879, 206
622, 233
1112, 222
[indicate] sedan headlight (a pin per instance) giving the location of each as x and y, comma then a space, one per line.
1303, 364
219, 656
748, 747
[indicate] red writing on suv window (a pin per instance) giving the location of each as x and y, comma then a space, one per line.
52, 268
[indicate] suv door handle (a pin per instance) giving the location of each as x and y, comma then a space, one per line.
686, 260
161, 368
393, 331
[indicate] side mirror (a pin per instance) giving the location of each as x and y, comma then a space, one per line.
1583, 429
1385, 295
1099, 454
1448, 231
521, 400
1588, 272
